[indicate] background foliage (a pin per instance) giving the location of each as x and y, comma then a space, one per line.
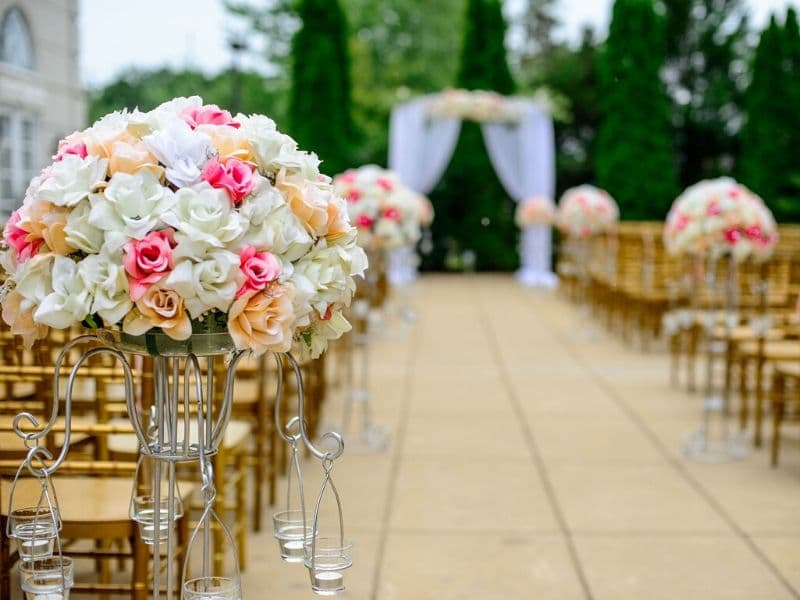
717, 121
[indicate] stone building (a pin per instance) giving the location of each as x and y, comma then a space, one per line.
41, 99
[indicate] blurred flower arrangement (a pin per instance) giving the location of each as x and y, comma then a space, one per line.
477, 105
717, 217
183, 219
386, 213
538, 210
586, 210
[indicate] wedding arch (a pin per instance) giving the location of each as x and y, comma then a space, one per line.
519, 138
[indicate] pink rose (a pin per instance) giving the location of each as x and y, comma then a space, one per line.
713, 209
353, 195
753, 232
65, 147
210, 114
347, 177
259, 269
26, 244
364, 221
392, 214
148, 260
732, 236
385, 183
682, 222
234, 175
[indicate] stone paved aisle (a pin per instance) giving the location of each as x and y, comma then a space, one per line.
532, 460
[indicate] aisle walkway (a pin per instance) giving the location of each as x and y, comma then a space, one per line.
531, 462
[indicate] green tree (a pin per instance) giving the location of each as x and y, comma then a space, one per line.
769, 142
634, 159
763, 136
473, 211
705, 74
319, 105
573, 74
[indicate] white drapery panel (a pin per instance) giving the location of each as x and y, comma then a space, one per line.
420, 148
522, 154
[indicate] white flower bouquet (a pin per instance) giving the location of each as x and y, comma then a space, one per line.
718, 217
178, 219
538, 210
586, 210
385, 212
475, 105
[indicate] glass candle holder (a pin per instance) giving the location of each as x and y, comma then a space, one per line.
292, 532
35, 530
326, 560
212, 588
47, 572
144, 513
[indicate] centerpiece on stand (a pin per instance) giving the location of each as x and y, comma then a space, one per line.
387, 215
535, 216
718, 224
583, 212
188, 235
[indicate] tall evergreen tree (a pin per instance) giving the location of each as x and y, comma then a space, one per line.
634, 156
705, 77
763, 136
473, 212
319, 109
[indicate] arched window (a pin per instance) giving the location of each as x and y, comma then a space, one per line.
16, 42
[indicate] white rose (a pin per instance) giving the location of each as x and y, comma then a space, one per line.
182, 150
330, 270
272, 149
208, 283
105, 280
79, 232
34, 278
204, 215
72, 179
131, 205
274, 227
314, 340
69, 302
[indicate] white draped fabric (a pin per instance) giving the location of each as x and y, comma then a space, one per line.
420, 148
522, 154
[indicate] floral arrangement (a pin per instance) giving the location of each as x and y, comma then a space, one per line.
385, 212
178, 219
586, 210
719, 217
538, 210
477, 105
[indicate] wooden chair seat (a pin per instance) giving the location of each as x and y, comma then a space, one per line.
774, 350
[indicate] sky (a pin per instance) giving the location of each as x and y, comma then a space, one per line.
194, 33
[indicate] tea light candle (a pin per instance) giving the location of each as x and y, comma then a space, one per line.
328, 580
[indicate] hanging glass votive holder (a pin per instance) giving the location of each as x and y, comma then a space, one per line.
292, 527
327, 557
47, 578
34, 527
144, 504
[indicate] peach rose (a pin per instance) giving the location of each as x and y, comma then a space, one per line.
229, 142
262, 321
18, 315
338, 223
47, 221
305, 201
162, 308
130, 156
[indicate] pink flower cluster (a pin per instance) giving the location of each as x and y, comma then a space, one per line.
720, 217
586, 210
